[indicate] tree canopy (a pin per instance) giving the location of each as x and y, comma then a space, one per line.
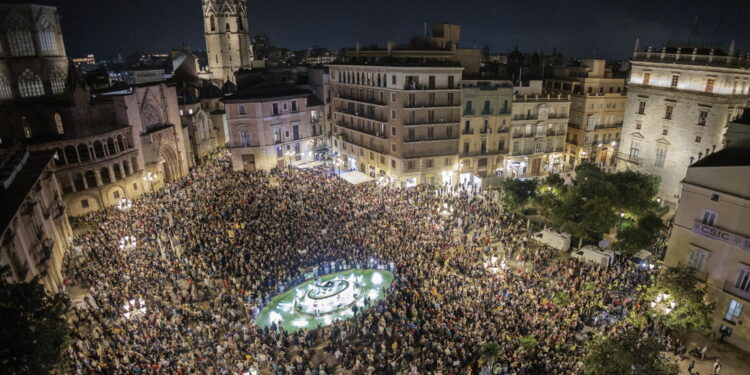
626, 353
33, 326
691, 311
517, 193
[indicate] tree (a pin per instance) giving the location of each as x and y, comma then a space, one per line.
489, 352
517, 193
529, 343
691, 310
632, 237
33, 326
626, 353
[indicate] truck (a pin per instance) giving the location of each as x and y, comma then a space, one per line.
554, 239
594, 254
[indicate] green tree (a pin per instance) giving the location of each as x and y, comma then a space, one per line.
489, 352
33, 326
626, 353
529, 343
632, 237
517, 193
691, 309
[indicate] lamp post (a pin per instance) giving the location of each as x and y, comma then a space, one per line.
289, 154
150, 177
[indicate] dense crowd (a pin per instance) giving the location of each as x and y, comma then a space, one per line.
212, 248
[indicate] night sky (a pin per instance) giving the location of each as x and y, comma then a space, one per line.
600, 28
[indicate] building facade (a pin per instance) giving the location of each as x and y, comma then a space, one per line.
537, 134
679, 102
485, 129
34, 224
397, 120
227, 38
596, 111
711, 235
273, 126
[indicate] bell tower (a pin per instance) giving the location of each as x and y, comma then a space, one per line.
227, 38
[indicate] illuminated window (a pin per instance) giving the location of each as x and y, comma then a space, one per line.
646, 78
59, 124
733, 311
710, 85
20, 39
30, 85
5, 92
57, 81
47, 42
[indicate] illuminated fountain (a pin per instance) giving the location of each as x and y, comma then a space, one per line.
329, 296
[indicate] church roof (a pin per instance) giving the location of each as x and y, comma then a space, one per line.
228, 88
259, 93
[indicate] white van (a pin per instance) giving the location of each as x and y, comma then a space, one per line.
554, 239
642, 258
593, 254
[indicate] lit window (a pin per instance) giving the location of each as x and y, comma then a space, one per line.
5, 92
710, 85
733, 311
59, 124
57, 81
20, 39
30, 85
47, 42
646, 78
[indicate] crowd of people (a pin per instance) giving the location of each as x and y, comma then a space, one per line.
176, 279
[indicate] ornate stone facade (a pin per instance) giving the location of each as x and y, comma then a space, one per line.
227, 38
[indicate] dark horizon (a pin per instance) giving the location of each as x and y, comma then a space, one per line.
586, 29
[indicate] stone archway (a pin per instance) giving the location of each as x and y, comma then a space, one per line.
169, 163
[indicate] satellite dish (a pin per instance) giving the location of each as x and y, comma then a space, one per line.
604, 244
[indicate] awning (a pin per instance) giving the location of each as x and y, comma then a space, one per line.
356, 177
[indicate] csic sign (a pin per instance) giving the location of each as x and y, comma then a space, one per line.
720, 235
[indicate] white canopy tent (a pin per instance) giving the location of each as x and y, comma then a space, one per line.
308, 165
356, 177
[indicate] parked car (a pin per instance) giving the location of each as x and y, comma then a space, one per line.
642, 258
593, 254
554, 239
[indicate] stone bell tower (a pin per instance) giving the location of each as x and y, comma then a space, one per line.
227, 38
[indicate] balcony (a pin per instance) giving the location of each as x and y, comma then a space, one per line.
371, 132
367, 116
485, 131
523, 135
525, 117
522, 152
469, 112
419, 87
608, 126
467, 131
629, 159
363, 100
440, 121
503, 130
429, 105
426, 139
735, 291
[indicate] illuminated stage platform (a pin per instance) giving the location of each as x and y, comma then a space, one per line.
325, 300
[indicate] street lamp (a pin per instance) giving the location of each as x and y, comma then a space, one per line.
289, 154
664, 303
150, 177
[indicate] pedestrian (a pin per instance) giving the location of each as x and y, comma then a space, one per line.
717, 367
691, 366
703, 352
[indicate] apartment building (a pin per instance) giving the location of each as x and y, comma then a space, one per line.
596, 111
273, 126
485, 129
397, 118
537, 133
711, 235
34, 228
679, 102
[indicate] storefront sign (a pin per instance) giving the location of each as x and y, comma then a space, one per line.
721, 235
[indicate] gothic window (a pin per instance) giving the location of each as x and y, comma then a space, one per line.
57, 81
212, 20
26, 127
5, 92
47, 43
20, 39
240, 25
59, 124
30, 85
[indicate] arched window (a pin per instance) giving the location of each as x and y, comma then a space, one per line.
71, 155
20, 39
26, 127
98, 150
120, 142
226, 18
59, 124
111, 146
5, 92
125, 168
30, 85
104, 172
212, 20
78, 182
47, 42
57, 81
118, 171
83, 152
91, 179
240, 25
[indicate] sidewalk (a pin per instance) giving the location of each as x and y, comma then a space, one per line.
733, 360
